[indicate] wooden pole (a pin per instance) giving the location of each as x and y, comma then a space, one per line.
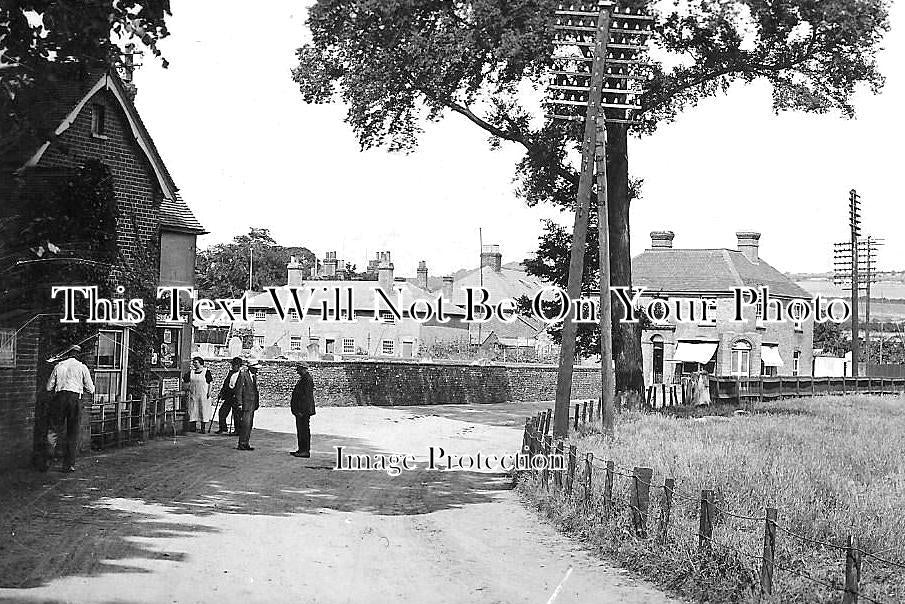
588, 470
580, 228
641, 499
856, 343
705, 527
558, 476
766, 567
119, 423
852, 571
570, 476
669, 486
144, 416
608, 491
575, 421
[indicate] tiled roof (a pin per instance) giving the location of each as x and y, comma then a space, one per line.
713, 271
505, 283
175, 214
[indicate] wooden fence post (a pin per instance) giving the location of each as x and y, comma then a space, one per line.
813, 387
705, 527
547, 421
575, 427
119, 423
558, 455
570, 475
766, 567
608, 491
666, 508
843, 386
588, 469
641, 499
852, 571
584, 413
144, 416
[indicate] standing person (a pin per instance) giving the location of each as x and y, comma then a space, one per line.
302, 406
198, 393
69, 379
246, 402
227, 398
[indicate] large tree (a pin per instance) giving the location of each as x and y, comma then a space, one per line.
399, 63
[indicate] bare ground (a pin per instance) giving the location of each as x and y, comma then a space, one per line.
194, 520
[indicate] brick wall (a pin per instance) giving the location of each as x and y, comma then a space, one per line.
392, 383
17, 402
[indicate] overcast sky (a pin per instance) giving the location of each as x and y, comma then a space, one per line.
247, 152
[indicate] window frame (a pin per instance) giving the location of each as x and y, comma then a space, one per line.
8, 342
348, 345
741, 349
98, 120
392, 347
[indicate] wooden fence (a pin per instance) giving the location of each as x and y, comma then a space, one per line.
591, 486
115, 424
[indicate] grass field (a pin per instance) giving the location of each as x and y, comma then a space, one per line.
831, 466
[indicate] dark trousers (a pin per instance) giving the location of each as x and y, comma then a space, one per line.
245, 421
303, 429
68, 408
223, 414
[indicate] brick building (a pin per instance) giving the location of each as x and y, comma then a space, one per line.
721, 346
90, 116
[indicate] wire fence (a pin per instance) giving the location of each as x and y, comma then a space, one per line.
591, 484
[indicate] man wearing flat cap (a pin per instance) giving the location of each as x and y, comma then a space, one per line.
302, 406
69, 379
247, 401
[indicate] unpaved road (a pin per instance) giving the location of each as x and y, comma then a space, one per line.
194, 520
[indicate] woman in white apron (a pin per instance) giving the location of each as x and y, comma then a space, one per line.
198, 393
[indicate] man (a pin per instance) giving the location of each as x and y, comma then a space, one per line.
69, 379
246, 402
302, 406
227, 397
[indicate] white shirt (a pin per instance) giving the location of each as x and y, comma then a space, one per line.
70, 375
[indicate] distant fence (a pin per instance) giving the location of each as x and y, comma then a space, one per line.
118, 423
576, 478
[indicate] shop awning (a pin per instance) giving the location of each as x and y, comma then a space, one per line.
770, 356
694, 352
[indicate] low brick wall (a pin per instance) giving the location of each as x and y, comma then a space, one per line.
389, 383
17, 401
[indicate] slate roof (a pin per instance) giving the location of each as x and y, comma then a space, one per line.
707, 271
505, 283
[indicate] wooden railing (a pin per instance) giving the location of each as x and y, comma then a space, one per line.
760, 389
126, 422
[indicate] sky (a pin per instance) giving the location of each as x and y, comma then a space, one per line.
246, 151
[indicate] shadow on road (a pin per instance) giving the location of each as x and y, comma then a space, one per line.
108, 515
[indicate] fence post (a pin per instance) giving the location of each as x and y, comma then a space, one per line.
144, 416
813, 387
575, 423
547, 421
705, 527
641, 499
766, 568
608, 491
588, 469
761, 391
119, 423
570, 475
843, 385
558, 455
852, 571
584, 413
666, 508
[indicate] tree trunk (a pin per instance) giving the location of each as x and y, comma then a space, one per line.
626, 336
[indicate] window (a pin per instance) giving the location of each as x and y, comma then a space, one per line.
329, 345
98, 120
293, 316
260, 315
387, 316
796, 363
711, 313
7, 347
108, 373
314, 342
741, 359
759, 314
348, 345
295, 343
259, 341
388, 347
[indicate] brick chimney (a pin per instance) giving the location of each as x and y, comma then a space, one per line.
748, 244
448, 287
492, 257
661, 239
385, 277
422, 275
330, 265
294, 272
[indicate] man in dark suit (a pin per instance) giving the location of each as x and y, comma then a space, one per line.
228, 397
302, 406
246, 391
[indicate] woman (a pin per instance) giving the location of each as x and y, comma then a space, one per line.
198, 392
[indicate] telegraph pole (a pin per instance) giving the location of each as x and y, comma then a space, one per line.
596, 77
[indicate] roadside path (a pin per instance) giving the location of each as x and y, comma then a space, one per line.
197, 521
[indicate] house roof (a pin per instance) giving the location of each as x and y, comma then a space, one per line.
362, 296
707, 271
508, 282
58, 103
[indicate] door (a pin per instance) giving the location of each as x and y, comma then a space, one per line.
658, 360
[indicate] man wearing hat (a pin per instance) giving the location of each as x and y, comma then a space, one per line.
246, 393
302, 406
227, 397
69, 379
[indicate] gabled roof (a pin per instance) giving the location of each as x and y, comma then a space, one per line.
707, 271
60, 104
505, 283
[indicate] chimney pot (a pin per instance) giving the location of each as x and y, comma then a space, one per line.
294, 272
385, 277
422, 275
492, 256
448, 287
661, 239
749, 244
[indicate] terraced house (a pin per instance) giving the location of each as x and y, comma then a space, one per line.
721, 346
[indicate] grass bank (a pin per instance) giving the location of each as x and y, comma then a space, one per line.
831, 466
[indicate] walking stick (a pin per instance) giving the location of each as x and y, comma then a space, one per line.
210, 424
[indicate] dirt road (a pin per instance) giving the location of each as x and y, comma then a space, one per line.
194, 520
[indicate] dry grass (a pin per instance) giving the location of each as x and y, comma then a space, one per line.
831, 466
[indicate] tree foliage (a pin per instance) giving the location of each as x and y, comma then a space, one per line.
222, 269
397, 64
